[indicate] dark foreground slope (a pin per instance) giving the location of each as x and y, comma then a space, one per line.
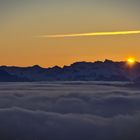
85, 71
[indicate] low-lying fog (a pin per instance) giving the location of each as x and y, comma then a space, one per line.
69, 111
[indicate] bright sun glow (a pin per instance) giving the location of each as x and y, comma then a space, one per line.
131, 61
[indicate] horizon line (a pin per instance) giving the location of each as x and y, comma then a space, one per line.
115, 61
129, 32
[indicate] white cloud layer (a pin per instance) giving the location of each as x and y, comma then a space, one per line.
69, 111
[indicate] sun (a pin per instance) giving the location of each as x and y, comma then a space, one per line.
131, 61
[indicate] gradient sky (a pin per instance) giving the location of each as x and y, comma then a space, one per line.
21, 21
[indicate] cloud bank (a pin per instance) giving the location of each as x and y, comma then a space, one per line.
72, 111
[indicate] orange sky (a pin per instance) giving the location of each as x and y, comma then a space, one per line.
22, 21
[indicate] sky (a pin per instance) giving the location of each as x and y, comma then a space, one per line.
22, 23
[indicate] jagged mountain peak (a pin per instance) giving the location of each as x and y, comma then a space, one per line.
107, 70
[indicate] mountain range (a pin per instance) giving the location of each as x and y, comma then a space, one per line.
79, 71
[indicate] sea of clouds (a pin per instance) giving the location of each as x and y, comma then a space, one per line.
69, 111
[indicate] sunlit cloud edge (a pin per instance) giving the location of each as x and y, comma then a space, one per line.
91, 34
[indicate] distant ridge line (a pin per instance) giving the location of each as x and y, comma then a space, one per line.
107, 70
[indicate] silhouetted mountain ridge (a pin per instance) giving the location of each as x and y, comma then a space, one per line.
85, 71
6, 77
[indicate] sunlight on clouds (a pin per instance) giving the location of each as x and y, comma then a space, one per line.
91, 34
